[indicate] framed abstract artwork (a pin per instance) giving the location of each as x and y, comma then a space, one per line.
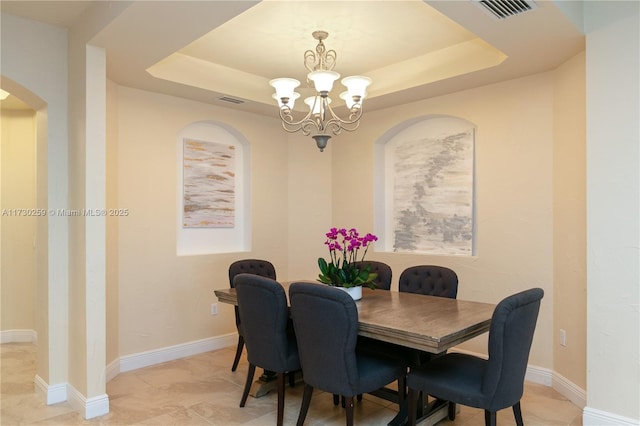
429, 188
209, 184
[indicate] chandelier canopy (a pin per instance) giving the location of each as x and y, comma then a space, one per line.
320, 120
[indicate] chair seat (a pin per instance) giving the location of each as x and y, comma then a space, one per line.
454, 377
374, 370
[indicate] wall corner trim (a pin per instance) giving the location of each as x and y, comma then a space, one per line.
18, 336
89, 407
595, 417
52, 394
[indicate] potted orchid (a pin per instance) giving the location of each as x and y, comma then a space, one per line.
345, 246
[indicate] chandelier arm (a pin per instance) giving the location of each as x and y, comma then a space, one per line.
349, 124
292, 126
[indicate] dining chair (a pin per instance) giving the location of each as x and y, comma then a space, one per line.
491, 384
259, 267
383, 280
271, 344
431, 280
326, 325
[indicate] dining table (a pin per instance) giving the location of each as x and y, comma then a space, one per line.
427, 323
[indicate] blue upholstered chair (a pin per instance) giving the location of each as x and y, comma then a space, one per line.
326, 325
491, 384
431, 280
270, 343
260, 267
383, 281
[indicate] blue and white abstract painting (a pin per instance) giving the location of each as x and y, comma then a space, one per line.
433, 194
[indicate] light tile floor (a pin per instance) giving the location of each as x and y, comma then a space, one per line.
202, 390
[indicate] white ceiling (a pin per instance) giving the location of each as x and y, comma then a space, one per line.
204, 50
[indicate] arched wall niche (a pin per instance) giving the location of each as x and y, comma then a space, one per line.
43, 287
25, 95
221, 140
424, 187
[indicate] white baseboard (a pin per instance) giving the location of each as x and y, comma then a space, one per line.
51, 394
89, 407
569, 390
595, 417
158, 356
18, 336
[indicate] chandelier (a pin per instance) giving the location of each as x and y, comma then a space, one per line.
321, 119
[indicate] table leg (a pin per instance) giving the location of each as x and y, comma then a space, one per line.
428, 413
267, 382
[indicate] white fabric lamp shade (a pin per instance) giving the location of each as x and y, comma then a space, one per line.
285, 88
323, 80
315, 103
348, 99
356, 85
292, 99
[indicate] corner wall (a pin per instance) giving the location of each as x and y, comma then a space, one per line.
569, 223
613, 212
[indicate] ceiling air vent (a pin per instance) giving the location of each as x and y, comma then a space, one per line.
231, 100
503, 9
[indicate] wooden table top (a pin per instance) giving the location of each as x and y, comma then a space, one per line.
429, 323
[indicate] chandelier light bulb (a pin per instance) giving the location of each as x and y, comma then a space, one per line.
348, 100
285, 89
356, 85
291, 100
315, 104
323, 80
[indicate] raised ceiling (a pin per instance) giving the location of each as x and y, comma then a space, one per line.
207, 50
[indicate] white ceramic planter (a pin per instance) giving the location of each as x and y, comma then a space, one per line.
354, 292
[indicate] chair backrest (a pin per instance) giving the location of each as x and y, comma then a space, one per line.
262, 303
510, 337
260, 267
326, 324
383, 281
431, 280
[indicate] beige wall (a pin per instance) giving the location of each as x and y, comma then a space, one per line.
613, 206
569, 222
112, 231
29, 51
165, 299
514, 193
18, 264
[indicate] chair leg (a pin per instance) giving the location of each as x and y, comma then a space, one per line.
280, 398
359, 397
517, 412
336, 399
292, 379
247, 385
306, 400
413, 406
489, 418
402, 388
349, 407
238, 353
452, 411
